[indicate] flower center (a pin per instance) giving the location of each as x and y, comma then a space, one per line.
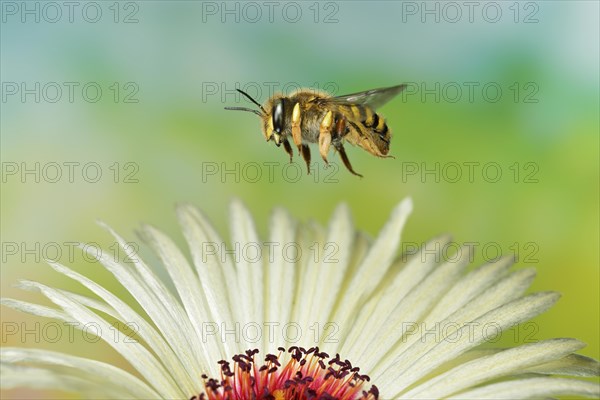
297, 374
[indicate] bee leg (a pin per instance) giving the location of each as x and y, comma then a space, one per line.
340, 148
288, 148
325, 136
296, 132
305, 151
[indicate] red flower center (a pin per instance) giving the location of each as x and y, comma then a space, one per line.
305, 374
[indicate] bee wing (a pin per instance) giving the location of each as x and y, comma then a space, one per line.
373, 98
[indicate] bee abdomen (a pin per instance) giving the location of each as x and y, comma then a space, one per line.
377, 124
384, 133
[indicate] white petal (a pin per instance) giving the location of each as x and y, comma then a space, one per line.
206, 248
190, 292
331, 332
311, 239
508, 362
91, 303
375, 312
412, 309
35, 309
419, 341
532, 388
472, 285
144, 362
89, 374
373, 267
157, 301
86, 301
500, 319
280, 275
336, 255
249, 269
17, 376
124, 313
573, 364
140, 326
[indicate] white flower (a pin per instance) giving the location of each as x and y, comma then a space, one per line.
296, 314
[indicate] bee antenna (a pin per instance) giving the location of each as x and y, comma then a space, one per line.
244, 109
251, 99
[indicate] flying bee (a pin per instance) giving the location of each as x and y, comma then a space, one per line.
307, 116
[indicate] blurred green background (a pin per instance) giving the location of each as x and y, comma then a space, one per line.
507, 88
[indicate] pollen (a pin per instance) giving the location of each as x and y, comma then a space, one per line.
295, 374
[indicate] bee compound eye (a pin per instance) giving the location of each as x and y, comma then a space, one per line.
278, 117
